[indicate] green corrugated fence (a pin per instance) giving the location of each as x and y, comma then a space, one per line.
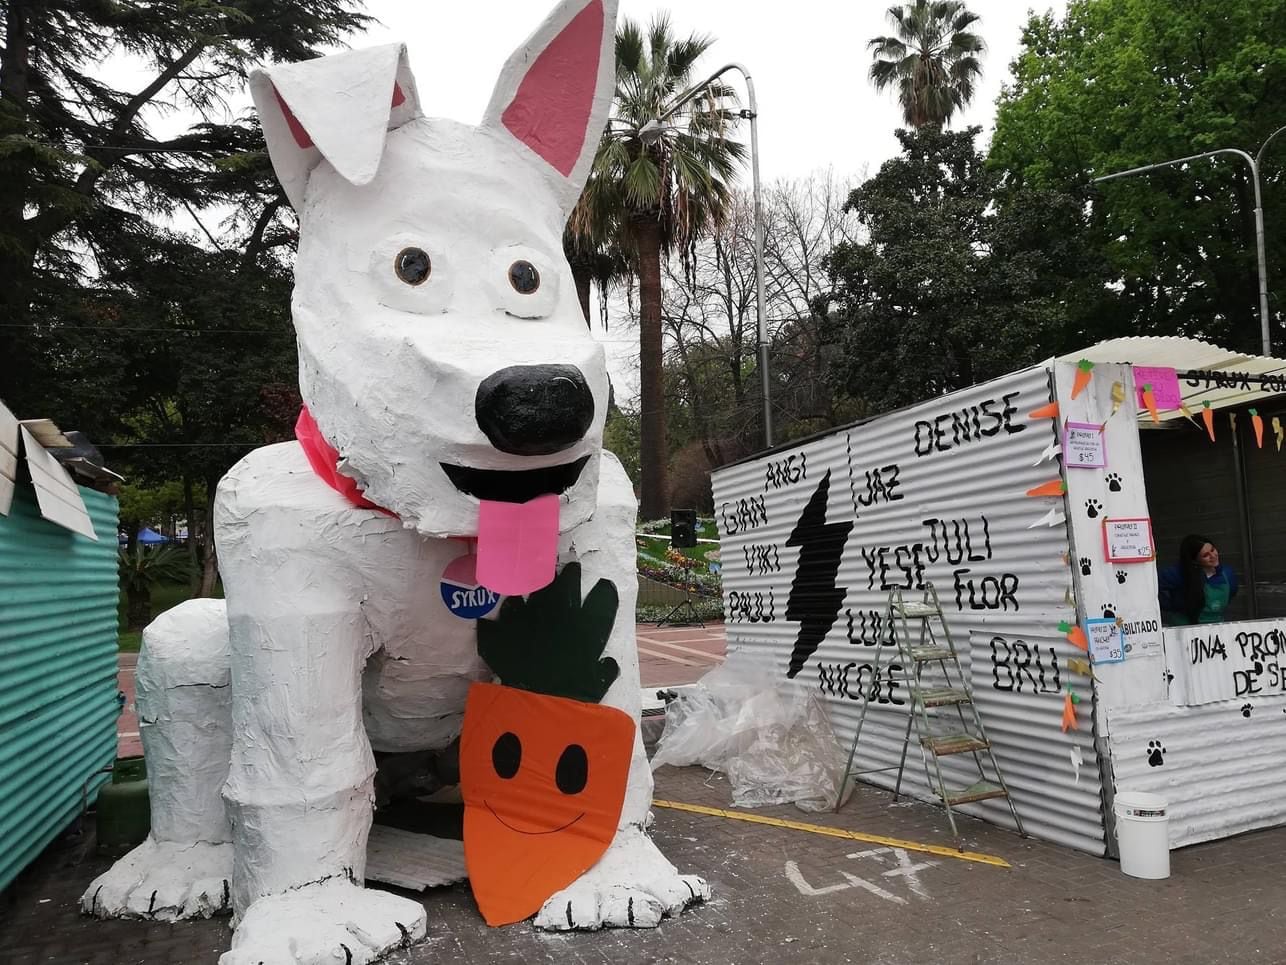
58, 707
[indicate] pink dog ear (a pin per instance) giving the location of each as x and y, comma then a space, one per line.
339, 108
554, 93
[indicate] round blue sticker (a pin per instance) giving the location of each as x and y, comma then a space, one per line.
462, 593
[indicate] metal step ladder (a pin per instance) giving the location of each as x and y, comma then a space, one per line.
933, 645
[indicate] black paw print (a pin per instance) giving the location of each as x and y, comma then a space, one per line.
1156, 754
1114, 482
1246, 709
1109, 611
1092, 506
1085, 566
1120, 576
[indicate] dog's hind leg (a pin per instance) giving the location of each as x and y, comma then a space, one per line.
184, 868
633, 885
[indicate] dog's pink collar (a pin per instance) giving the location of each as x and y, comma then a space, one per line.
324, 458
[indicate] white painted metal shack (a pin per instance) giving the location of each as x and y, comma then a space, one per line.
816, 533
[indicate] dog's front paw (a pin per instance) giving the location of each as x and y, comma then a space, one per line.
586, 906
331, 923
164, 881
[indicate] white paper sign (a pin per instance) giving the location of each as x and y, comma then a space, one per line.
1226, 661
1083, 446
1128, 540
1107, 642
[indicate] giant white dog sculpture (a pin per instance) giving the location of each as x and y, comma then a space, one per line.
447, 373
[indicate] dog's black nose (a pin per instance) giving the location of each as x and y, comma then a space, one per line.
533, 410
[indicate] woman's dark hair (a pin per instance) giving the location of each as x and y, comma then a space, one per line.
1194, 578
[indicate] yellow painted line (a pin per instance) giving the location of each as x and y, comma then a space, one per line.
937, 849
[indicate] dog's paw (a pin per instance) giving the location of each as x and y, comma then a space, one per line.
586, 907
331, 923
164, 881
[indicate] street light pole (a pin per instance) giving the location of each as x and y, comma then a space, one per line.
652, 131
1265, 331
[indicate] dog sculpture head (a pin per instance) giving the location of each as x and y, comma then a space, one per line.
442, 349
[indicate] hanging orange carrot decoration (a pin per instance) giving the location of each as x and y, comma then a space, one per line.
543, 764
1084, 368
1055, 487
1069, 712
1208, 417
1257, 423
1049, 411
1075, 635
1150, 401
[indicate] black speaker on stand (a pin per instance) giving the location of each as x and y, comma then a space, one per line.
683, 535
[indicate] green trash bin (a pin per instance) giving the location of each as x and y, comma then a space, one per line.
123, 815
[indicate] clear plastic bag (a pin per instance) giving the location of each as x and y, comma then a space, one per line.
769, 735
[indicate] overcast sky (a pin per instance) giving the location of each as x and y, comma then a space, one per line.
817, 109
808, 59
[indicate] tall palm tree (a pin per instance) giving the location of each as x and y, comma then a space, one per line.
932, 60
658, 197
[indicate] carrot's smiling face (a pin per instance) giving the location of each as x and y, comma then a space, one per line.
543, 780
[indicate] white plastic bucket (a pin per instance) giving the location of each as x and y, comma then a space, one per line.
1143, 833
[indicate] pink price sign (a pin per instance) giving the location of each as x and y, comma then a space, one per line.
1165, 386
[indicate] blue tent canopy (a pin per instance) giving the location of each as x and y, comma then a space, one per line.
150, 537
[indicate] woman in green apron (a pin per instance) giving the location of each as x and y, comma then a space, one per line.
1198, 588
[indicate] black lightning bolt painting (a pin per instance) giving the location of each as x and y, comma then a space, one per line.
814, 598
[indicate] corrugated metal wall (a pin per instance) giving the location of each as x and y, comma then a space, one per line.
936, 493
1221, 766
58, 708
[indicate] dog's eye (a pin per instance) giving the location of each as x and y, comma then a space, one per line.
524, 277
412, 265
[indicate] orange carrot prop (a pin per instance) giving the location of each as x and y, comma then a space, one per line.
1084, 369
1075, 635
1055, 487
1208, 417
1070, 700
1150, 401
1044, 412
1257, 422
543, 764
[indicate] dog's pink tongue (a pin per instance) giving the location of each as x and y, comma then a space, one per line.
517, 544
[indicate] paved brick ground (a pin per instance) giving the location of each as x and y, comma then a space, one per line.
790, 896
673, 656
780, 895
127, 739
